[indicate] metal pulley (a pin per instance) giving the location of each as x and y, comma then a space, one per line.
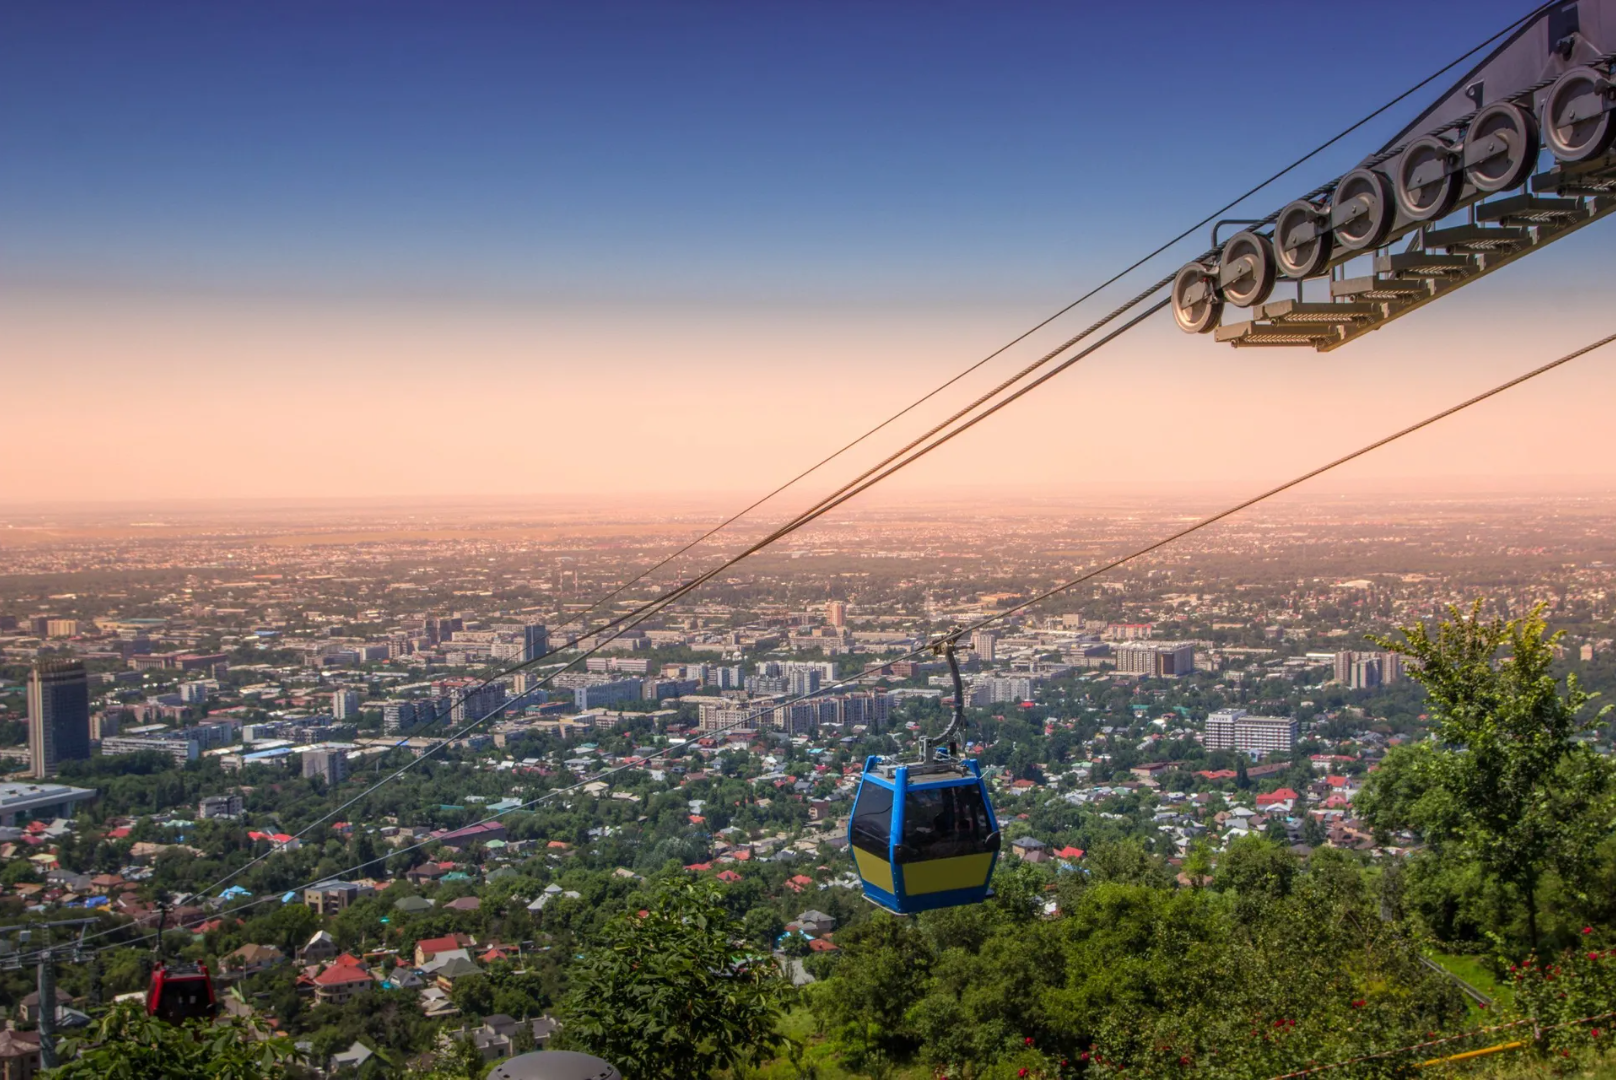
1428, 177
1302, 240
1500, 148
1577, 124
1246, 271
1362, 210
1197, 306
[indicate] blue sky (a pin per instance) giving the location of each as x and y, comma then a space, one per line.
315, 249
895, 151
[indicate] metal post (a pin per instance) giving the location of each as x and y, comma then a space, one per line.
47, 1006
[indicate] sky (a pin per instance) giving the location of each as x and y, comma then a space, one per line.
343, 249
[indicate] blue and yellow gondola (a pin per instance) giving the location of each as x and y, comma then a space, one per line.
923, 834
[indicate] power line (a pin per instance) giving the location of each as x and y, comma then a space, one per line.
870, 477
1018, 339
1138, 553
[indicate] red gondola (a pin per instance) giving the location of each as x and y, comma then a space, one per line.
181, 993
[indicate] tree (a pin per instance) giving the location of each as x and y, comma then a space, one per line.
126, 1044
1506, 784
668, 994
1256, 868
1198, 863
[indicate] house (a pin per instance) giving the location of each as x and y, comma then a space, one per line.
330, 897
1030, 849
544, 1027
251, 959
30, 1005
1284, 797
322, 946
427, 948
340, 983
497, 1037
413, 905
426, 872
815, 922
464, 903
352, 1058
457, 968
435, 1003
219, 806
19, 1054
497, 951
483, 832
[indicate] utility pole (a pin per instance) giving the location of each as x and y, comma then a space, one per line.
47, 1004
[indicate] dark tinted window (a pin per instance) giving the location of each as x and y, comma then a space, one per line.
941, 822
872, 820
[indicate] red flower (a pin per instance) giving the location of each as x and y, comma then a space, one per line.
1022, 1071
1183, 1060
1084, 1056
1028, 1040
1595, 1033
1358, 1004
1593, 956
1587, 929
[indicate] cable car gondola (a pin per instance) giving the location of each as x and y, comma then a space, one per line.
923, 834
181, 992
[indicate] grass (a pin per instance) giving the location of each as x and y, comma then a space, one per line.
798, 1025
1476, 971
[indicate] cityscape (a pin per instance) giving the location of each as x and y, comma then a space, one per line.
1228, 687
710, 541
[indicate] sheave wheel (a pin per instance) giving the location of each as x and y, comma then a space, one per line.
1196, 303
1500, 147
1577, 122
1362, 210
1427, 183
1248, 269
1302, 240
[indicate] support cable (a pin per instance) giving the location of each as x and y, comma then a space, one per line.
958, 632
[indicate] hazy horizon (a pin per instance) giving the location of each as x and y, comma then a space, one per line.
303, 253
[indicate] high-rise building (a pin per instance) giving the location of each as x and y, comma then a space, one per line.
58, 715
345, 704
803, 682
1155, 659
397, 715
329, 765
1367, 670
1007, 689
105, 723
983, 643
1235, 729
535, 641
836, 613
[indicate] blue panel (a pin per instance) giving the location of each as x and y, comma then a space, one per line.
900, 902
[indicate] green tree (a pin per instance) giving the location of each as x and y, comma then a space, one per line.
670, 995
1507, 783
126, 1044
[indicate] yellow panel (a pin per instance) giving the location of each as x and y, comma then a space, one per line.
941, 875
874, 869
